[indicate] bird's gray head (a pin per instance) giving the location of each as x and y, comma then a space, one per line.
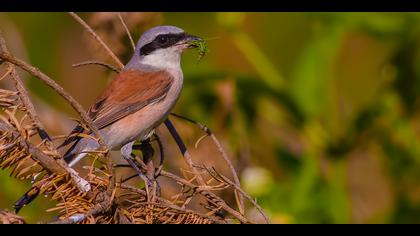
161, 47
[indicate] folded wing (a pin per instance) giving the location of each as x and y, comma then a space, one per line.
129, 92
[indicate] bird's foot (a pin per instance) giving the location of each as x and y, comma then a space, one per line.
144, 170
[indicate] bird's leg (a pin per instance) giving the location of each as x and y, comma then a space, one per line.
126, 151
162, 155
161, 151
147, 153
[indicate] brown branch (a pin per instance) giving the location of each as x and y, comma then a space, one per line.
7, 217
99, 208
52, 84
97, 38
127, 31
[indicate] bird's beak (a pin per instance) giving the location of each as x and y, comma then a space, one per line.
190, 39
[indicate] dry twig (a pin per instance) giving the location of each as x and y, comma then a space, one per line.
127, 31
7, 217
99, 63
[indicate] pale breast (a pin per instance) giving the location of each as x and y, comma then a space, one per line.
141, 123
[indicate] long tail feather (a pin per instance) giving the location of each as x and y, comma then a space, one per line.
33, 192
27, 198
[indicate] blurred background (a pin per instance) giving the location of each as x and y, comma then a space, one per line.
319, 111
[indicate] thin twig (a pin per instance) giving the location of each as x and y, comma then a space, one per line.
98, 63
166, 203
127, 31
7, 217
6, 74
209, 195
222, 152
203, 190
99, 208
238, 188
98, 39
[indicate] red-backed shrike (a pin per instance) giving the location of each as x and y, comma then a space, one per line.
138, 99
141, 96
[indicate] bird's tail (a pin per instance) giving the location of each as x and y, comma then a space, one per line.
34, 191
27, 198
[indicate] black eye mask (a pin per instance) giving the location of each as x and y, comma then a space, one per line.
161, 41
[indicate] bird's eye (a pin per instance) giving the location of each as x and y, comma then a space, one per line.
163, 40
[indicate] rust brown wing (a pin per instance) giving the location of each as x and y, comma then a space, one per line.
128, 93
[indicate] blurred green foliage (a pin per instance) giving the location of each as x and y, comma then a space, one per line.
319, 110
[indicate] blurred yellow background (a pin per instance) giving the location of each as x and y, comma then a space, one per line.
319, 111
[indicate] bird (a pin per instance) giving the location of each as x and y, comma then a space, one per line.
137, 101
